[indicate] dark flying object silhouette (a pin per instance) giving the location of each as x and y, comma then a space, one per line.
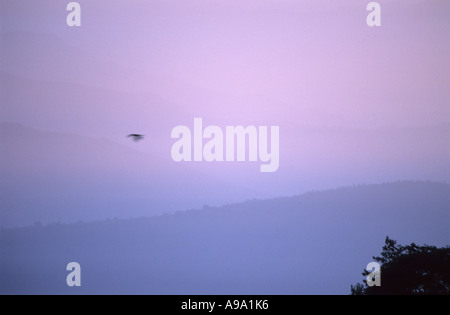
136, 137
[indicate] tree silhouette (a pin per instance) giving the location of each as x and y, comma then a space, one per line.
410, 270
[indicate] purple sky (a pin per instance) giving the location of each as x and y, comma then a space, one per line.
306, 62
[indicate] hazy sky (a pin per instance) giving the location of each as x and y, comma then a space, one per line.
310, 62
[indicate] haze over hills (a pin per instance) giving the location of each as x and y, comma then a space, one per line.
338, 125
317, 242
38, 161
51, 176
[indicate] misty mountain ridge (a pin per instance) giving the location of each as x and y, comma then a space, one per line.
318, 242
303, 202
67, 177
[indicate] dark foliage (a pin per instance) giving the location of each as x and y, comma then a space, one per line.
410, 270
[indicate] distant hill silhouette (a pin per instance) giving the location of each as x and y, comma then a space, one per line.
69, 177
313, 243
53, 176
